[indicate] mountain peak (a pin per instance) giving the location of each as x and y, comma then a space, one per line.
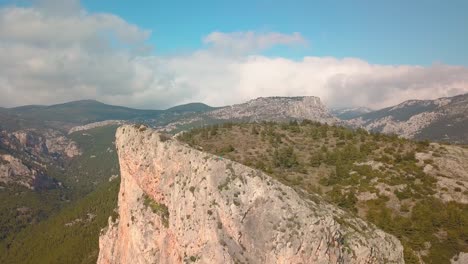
191, 107
85, 102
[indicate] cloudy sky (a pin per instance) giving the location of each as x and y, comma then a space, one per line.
155, 55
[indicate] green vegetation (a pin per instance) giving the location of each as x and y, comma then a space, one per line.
21, 207
80, 112
157, 208
98, 162
27, 216
341, 165
70, 236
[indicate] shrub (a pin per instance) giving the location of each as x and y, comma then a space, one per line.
157, 208
164, 137
285, 158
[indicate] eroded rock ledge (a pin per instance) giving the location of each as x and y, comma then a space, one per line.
180, 205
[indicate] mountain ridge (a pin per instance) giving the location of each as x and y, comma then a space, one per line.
442, 119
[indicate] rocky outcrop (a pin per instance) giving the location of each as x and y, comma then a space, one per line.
277, 109
14, 171
44, 144
95, 125
450, 169
177, 205
443, 119
58, 144
407, 129
461, 258
26, 154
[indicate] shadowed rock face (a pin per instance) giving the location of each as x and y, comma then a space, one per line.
179, 205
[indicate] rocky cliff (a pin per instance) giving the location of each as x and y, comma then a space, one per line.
443, 119
277, 109
178, 205
26, 154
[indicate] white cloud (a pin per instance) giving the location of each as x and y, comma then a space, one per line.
55, 51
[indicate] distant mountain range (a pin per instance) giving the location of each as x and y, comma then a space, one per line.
257, 110
64, 116
28, 133
346, 113
443, 119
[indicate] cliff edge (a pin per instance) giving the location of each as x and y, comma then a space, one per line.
180, 205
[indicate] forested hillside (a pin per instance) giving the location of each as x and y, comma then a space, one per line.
62, 225
383, 179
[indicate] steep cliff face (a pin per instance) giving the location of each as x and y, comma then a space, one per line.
179, 205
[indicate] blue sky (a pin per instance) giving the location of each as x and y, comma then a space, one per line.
157, 54
383, 32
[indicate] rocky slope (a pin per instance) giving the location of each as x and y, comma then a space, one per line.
261, 109
277, 109
451, 171
177, 204
442, 119
26, 154
13, 170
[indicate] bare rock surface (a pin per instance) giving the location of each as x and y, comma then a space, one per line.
41, 143
277, 108
12, 170
26, 154
451, 171
95, 125
178, 205
443, 119
460, 258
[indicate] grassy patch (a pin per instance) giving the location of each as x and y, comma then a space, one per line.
157, 208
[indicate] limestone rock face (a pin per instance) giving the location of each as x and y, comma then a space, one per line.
277, 109
61, 145
28, 153
178, 205
13, 170
41, 143
95, 125
441, 119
